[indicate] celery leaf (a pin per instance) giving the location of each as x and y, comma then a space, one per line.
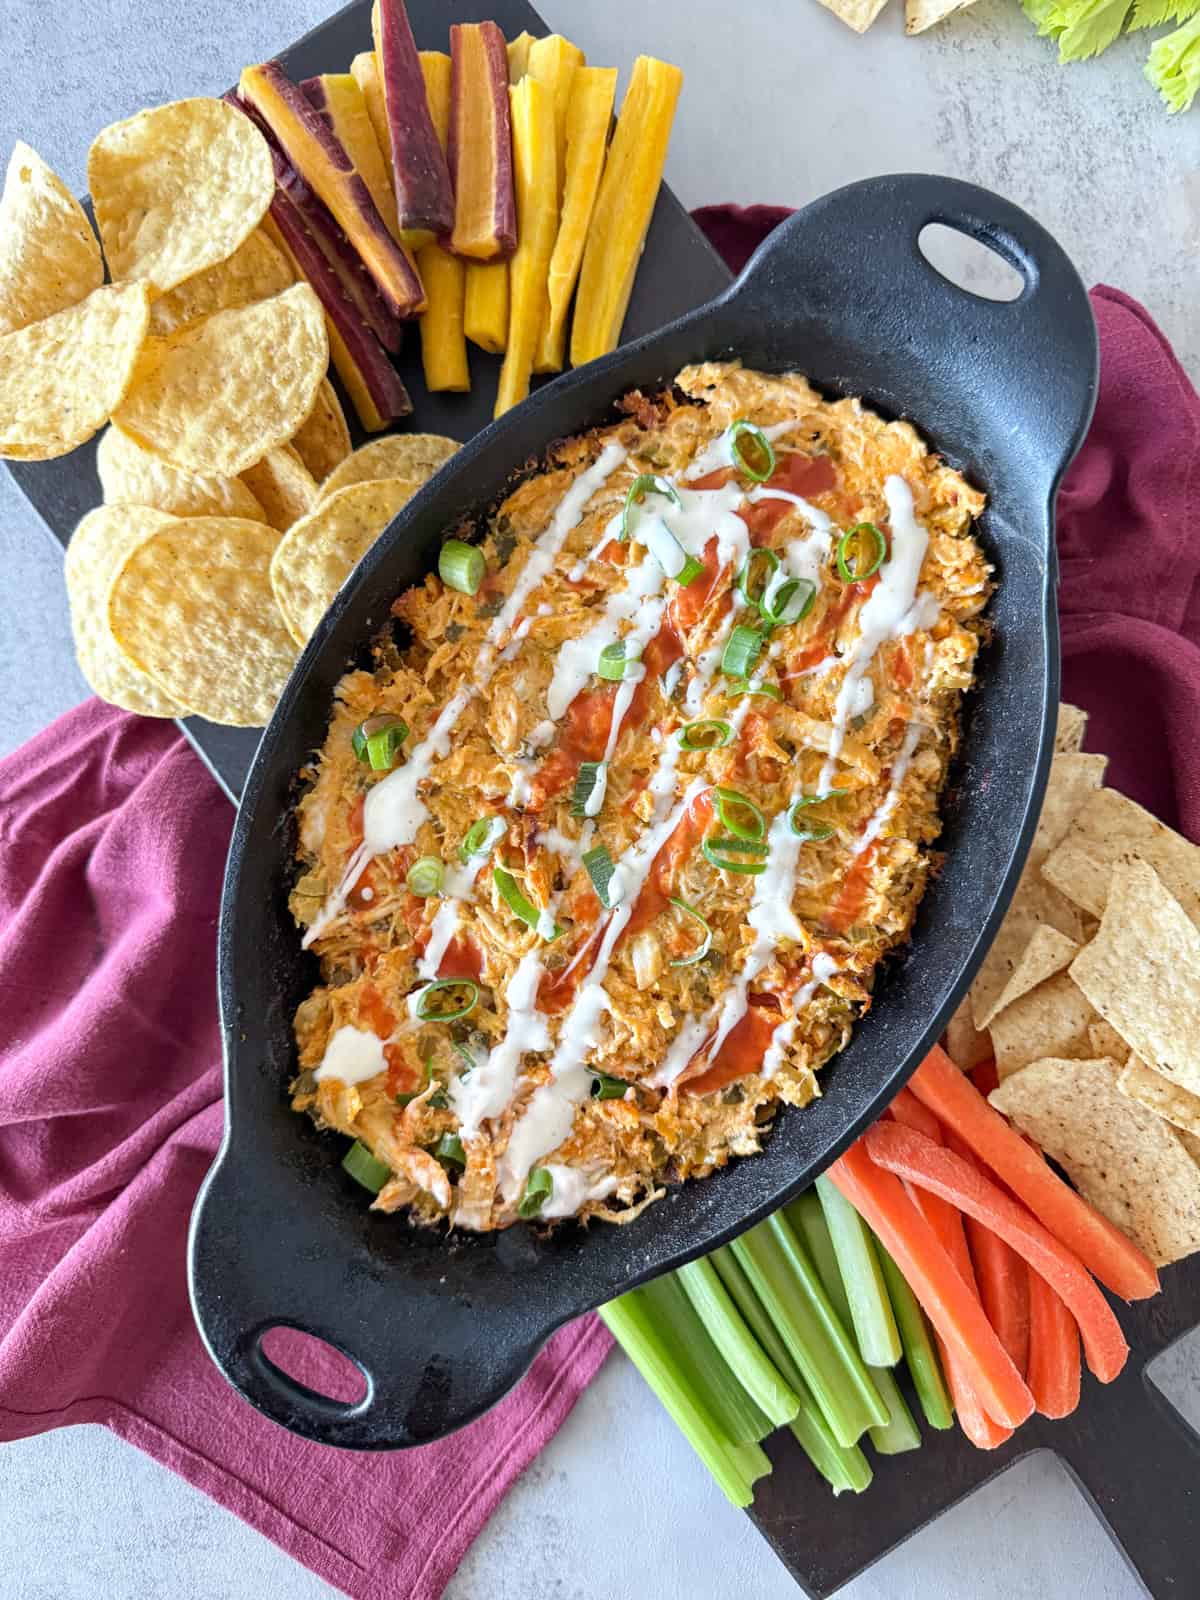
1174, 65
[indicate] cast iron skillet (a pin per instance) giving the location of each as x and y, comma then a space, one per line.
441, 1329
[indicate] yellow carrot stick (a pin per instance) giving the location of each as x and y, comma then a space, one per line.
535, 169
443, 346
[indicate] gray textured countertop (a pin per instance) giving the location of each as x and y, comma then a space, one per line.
781, 103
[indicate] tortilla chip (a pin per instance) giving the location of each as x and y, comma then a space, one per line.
217, 396
96, 553
62, 378
132, 476
255, 271
177, 189
1127, 1162
1109, 828
415, 456
192, 606
1106, 1041
318, 554
1071, 727
283, 486
49, 256
1142, 972
1050, 1020
922, 14
1139, 1082
856, 14
965, 1045
323, 441
1191, 1143
1047, 952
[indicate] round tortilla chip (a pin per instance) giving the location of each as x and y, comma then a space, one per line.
97, 551
177, 189
192, 606
255, 271
323, 440
283, 486
415, 456
62, 378
315, 557
132, 476
217, 396
49, 256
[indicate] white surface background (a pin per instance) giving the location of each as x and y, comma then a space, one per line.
781, 103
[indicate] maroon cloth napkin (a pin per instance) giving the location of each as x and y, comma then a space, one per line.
112, 838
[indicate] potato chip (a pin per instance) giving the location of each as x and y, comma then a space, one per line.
415, 456
1070, 729
1106, 1041
177, 189
1142, 972
1047, 952
856, 14
130, 475
217, 396
61, 378
965, 1045
1108, 828
255, 271
922, 14
1124, 1160
1137, 1081
283, 486
49, 256
1050, 1020
323, 441
96, 553
192, 606
315, 558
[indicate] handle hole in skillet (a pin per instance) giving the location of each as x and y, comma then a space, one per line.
968, 263
308, 1363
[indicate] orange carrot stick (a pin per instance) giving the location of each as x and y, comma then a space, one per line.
954, 1310
906, 1108
1101, 1247
919, 1161
1053, 1351
1001, 1274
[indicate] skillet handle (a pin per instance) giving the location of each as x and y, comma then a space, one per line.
1035, 358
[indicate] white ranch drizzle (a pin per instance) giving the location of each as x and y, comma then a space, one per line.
720, 452
352, 1055
486, 1091
445, 926
573, 1187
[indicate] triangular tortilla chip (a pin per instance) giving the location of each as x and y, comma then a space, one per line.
1124, 1160
965, 1045
1139, 1082
1047, 952
856, 14
1106, 1041
1109, 828
1072, 725
922, 14
1051, 1019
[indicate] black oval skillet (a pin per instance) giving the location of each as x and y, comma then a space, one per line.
441, 1329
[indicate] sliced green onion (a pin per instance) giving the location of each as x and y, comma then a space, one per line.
708, 734
757, 1374
461, 566
787, 602
539, 1186
605, 1087
741, 651
812, 832
751, 591
702, 949
865, 546
458, 998
481, 836
365, 1167
753, 686
751, 450
923, 1365
689, 572
668, 552
646, 483
449, 1151
469, 1061
426, 876
600, 869
614, 664
724, 852
377, 740
740, 815
516, 902
589, 776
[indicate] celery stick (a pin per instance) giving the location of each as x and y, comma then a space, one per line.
784, 1280
870, 1308
840, 1467
901, 1432
752, 1461
743, 1355
732, 1408
732, 1274
923, 1364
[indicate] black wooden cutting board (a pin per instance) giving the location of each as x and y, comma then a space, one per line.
1134, 1456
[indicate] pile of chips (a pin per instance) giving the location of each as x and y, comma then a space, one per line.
233, 508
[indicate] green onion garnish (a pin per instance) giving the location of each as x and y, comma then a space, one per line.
645, 484
377, 740
606, 1088
708, 734
725, 852
449, 1151
749, 586
539, 1186
811, 832
614, 664
516, 902
865, 546
365, 1168
751, 450
481, 836
426, 876
469, 1061
589, 776
753, 686
669, 553
461, 566
787, 602
447, 999
741, 651
600, 870
689, 572
702, 949
741, 816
